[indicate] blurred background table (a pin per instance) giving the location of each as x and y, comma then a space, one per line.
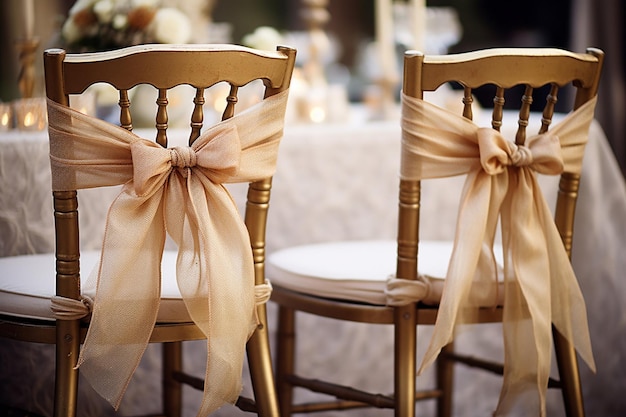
337, 181
324, 167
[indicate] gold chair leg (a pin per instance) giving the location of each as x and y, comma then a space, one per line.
570, 378
285, 357
445, 382
66, 379
172, 389
404, 360
261, 372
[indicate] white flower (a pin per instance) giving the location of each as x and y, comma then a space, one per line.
108, 24
170, 25
264, 38
104, 10
80, 5
144, 3
119, 21
70, 31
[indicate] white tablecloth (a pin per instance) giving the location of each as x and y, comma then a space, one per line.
338, 181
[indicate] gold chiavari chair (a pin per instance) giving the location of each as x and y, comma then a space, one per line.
213, 286
524, 280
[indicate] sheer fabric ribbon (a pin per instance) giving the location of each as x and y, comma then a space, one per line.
179, 191
540, 287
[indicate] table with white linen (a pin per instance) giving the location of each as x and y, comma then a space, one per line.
337, 181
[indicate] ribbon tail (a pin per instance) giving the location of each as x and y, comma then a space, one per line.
472, 224
127, 294
216, 279
527, 311
569, 312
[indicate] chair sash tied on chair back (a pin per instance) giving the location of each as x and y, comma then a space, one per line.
181, 191
540, 286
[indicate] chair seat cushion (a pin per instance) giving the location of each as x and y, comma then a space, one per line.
27, 283
354, 270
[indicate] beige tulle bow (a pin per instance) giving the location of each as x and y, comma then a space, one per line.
181, 191
540, 285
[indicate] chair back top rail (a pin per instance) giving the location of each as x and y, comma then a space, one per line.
534, 68
494, 66
167, 66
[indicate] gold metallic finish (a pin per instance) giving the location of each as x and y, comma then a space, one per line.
163, 67
505, 68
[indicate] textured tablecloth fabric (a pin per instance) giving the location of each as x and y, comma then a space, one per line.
321, 194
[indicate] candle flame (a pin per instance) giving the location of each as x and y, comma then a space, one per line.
29, 119
317, 114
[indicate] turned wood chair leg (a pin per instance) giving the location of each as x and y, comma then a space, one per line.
67, 350
261, 372
405, 346
445, 382
568, 374
285, 358
172, 389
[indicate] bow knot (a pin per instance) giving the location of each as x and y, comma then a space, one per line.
542, 152
183, 157
521, 156
214, 265
540, 288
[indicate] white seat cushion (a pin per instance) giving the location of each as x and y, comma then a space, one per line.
353, 270
27, 283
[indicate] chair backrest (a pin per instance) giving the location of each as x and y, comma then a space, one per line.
531, 68
174, 188
502, 193
163, 67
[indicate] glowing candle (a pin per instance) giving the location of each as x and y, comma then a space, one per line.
29, 119
6, 116
30, 113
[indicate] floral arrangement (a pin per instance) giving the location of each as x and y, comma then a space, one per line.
264, 38
100, 25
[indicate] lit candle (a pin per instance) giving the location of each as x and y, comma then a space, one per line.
30, 113
29, 119
418, 21
385, 39
6, 116
29, 18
